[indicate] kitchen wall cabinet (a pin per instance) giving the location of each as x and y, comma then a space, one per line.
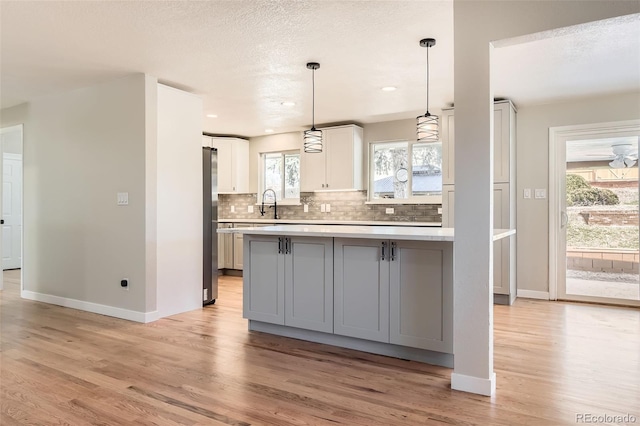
339, 165
297, 288
398, 292
233, 163
504, 148
504, 256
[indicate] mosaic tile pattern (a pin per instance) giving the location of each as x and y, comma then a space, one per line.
344, 206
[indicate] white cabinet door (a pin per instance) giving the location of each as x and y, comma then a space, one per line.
447, 131
221, 247
501, 248
504, 128
344, 157
309, 283
421, 295
448, 203
233, 164
313, 170
361, 289
263, 280
237, 251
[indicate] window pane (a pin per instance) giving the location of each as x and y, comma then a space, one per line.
273, 174
292, 176
389, 181
426, 163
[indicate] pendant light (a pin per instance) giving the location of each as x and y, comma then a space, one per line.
313, 136
427, 125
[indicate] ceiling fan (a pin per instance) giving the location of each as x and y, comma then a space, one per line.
624, 156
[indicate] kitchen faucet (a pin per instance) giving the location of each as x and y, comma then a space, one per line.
275, 204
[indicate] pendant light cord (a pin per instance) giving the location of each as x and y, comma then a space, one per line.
428, 80
313, 99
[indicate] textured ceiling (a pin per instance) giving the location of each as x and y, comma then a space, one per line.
246, 57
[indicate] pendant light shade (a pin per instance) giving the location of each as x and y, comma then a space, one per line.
313, 136
427, 125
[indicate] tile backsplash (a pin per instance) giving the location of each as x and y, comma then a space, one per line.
348, 205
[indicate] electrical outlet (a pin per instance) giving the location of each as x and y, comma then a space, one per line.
305, 208
540, 193
323, 208
439, 210
233, 209
526, 193
389, 210
327, 208
124, 284
249, 209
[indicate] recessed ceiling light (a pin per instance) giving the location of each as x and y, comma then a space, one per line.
212, 115
288, 103
389, 88
268, 130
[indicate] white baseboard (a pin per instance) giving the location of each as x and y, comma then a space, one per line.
96, 308
533, 294
473, 384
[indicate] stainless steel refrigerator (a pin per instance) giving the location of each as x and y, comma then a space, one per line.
210, 225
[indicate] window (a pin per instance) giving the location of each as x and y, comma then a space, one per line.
408, 171
281, 172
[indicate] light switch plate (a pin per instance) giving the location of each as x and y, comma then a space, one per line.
439, 210
249, 209
305, 208
389, 210
540, 193
233, 209
526, 193
123, 198
323, 208
327, 208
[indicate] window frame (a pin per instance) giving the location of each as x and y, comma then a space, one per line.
261, 176
426, 199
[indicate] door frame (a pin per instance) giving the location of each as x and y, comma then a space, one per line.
558, 137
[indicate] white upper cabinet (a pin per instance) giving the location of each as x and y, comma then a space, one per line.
339, 165
233, 164
504, 136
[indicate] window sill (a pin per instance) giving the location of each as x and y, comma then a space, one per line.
436, 199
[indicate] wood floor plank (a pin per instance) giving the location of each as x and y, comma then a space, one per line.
63, 366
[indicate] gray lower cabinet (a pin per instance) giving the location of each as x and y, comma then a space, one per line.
289, 281
361, 287
421, 295
398, 292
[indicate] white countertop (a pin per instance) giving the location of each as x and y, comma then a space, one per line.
391, 232
332, 222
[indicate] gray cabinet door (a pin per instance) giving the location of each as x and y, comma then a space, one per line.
263, 279
361, 289
421, 295
308, 289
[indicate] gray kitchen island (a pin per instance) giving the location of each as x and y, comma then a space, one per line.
379, 289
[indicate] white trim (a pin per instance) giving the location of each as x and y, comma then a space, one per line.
96, 308
473, 384
11, 156
534, 294
557, 166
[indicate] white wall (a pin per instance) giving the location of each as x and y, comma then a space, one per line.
80, 149
533, 172
179, 201
476, 26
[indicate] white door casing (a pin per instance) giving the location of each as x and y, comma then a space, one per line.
558, 137
12, 211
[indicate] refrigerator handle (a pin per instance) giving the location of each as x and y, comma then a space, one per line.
279, 245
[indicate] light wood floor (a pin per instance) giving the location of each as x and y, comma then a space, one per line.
62, 366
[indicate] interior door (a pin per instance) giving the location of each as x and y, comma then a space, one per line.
12, 211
